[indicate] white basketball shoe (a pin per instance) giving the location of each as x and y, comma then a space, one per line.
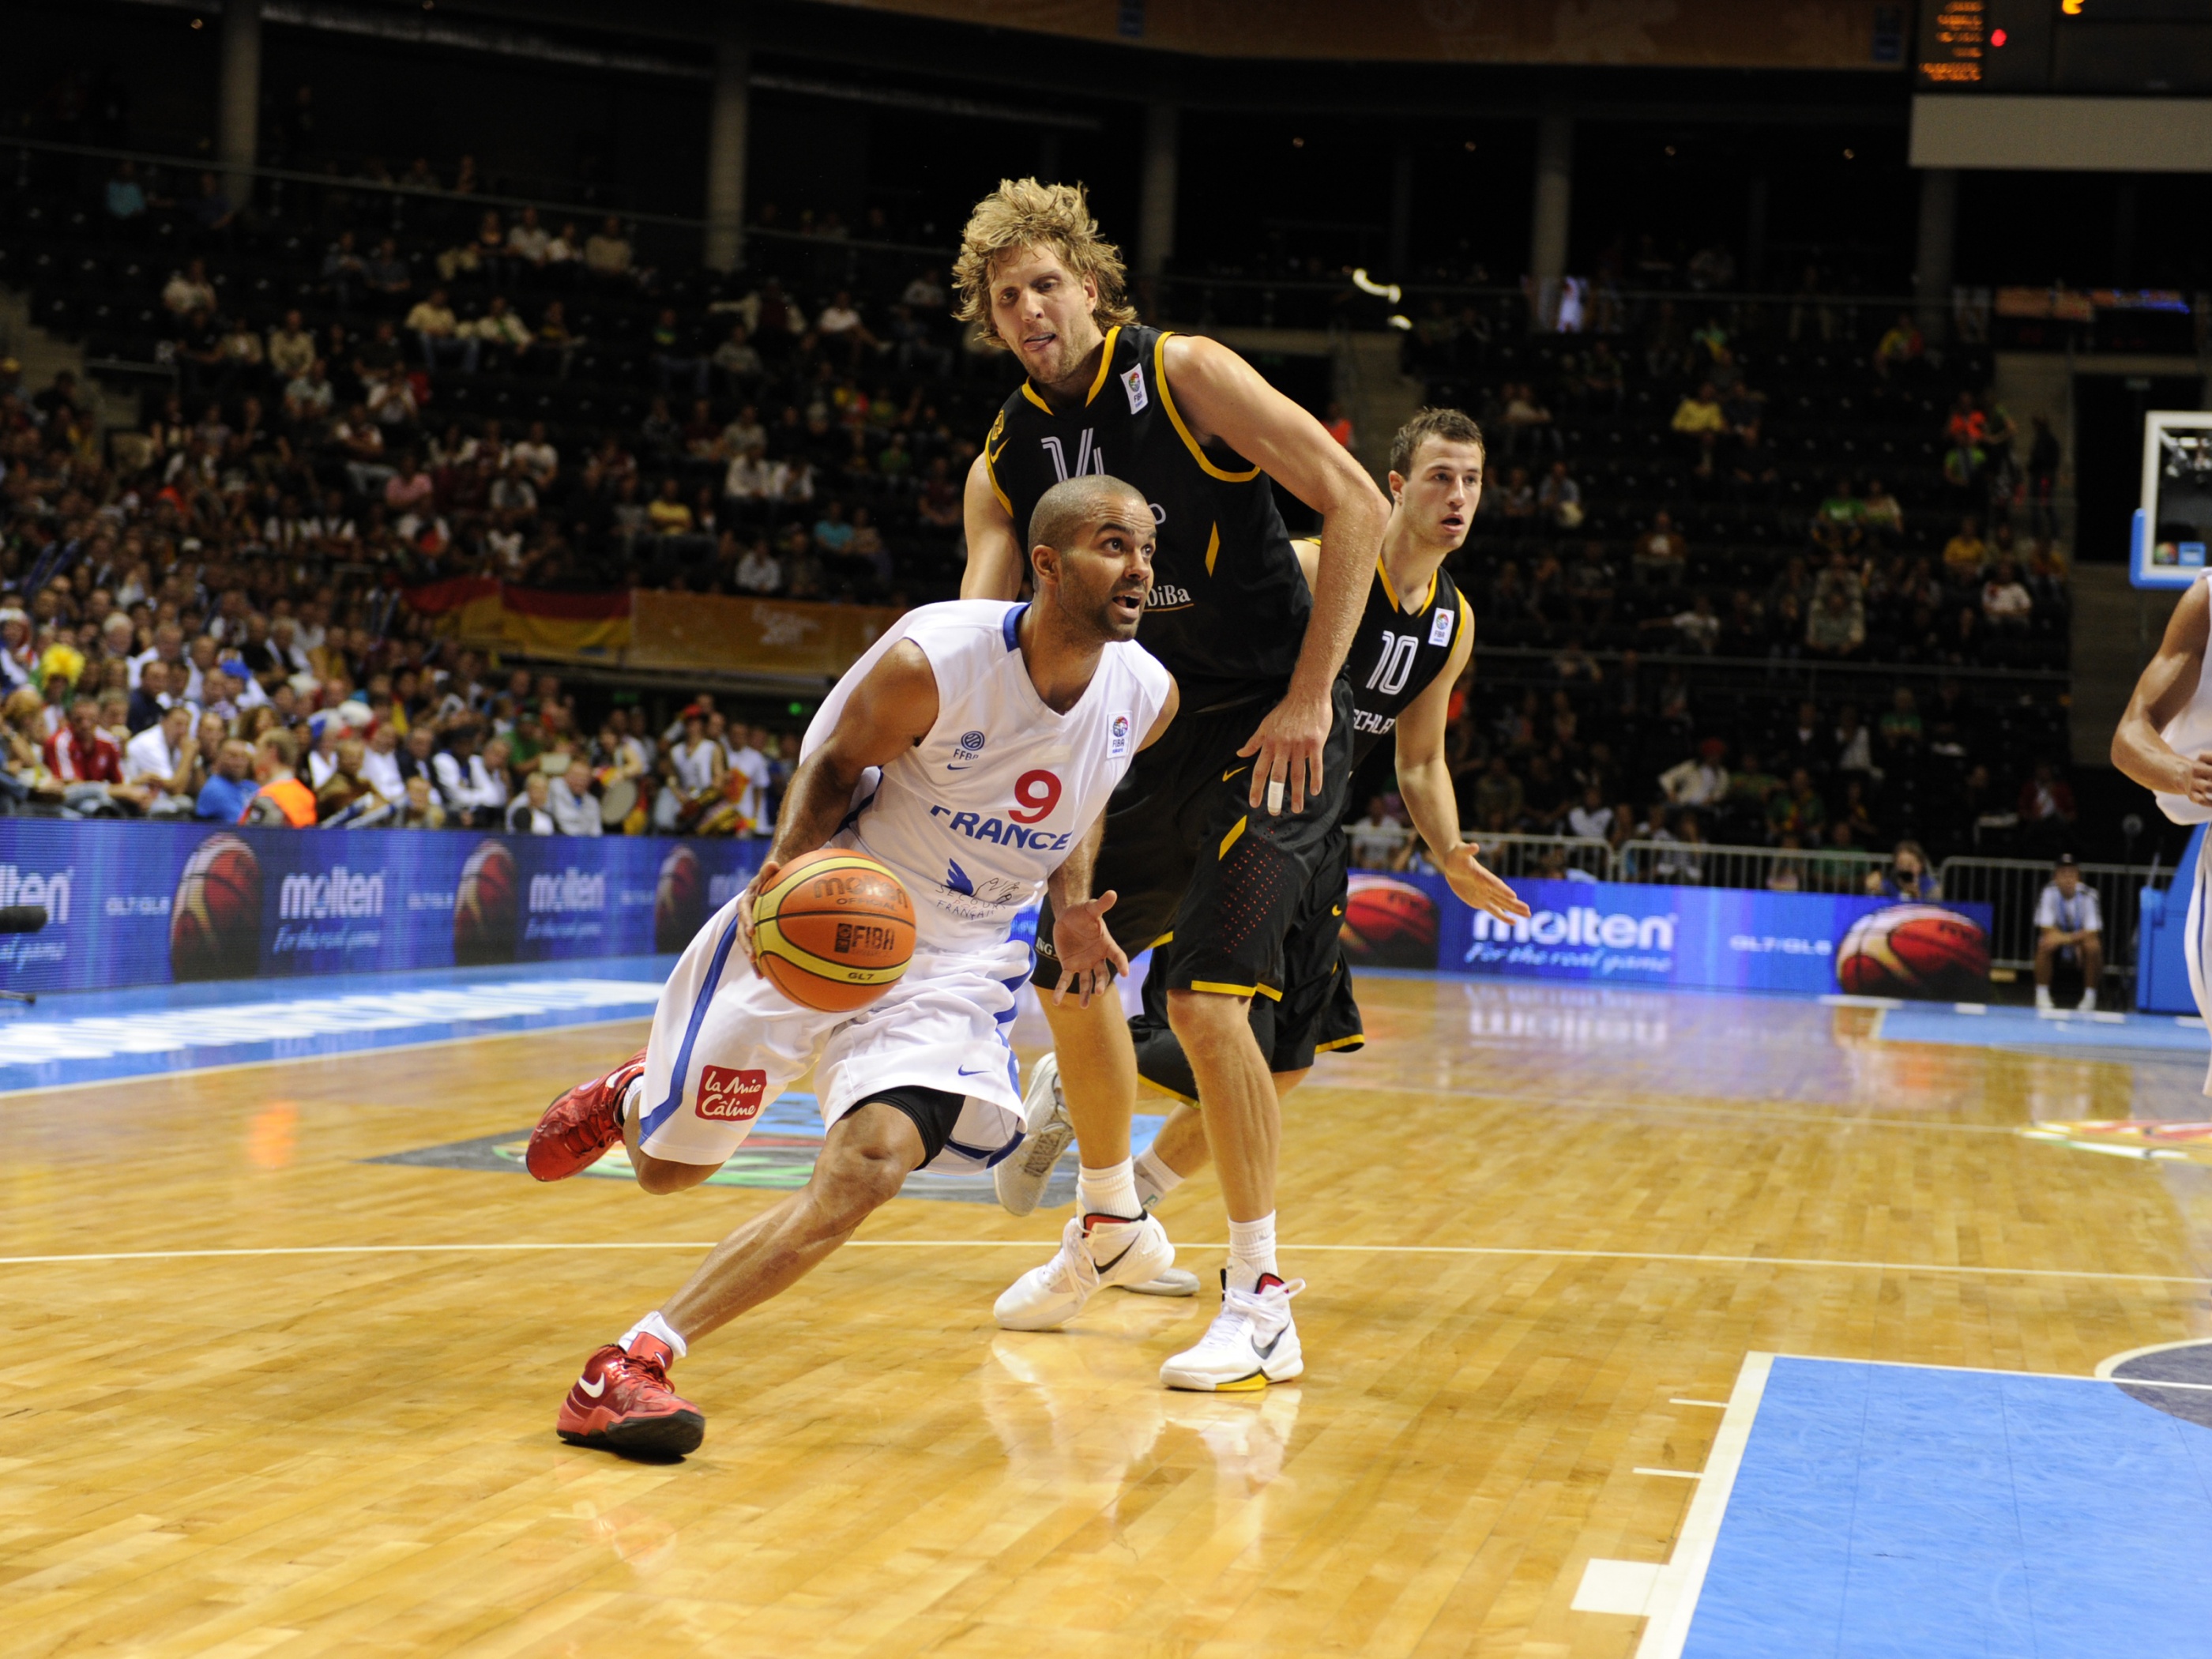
1046, 1297
1020, 1178
1251, 1342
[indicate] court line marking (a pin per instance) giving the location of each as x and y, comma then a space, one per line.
1716, 1404
1668, 1104
181, 1072
1815, 1264
1675, 1589
1674, 1475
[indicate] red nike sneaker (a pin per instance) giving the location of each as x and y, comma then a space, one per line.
622, 1402
579, 1126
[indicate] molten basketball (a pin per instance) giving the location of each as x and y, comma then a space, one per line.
485, 906
679, 901
1390, 923
835, 930
215, 920
1915, 950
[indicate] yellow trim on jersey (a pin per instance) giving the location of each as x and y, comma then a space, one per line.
1335, 1043
1168, 403
1212, 548
990, 462
1105, 367
1167, 938
1230, 840
1269, 992
1163, 1089
1216, 987
1030, 392
1390, 592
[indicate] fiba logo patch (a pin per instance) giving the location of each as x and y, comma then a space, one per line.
679, 901
485, 905
215, 920
730, 1096
1117, 739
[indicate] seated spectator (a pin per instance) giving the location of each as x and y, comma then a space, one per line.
840, 324
1786, 875
1681, 857
2045, 800
1797, 811
2070, 927
1854, 750
1591, 820
2006, 604
422, 809
86, 763
163, 761
380, 765
386, 274
1700, 780
291, 348
1499, 798
1898, 349
1379, 840
531, 812
281, 798
343, 271
188, 292
439, 332
527, 241
1837, 628
1881, 516
758, 570
229, 788
1560, 498
1661, 552
126, 196
1698, 628
608, 255
569, 799
1965, 553
1516, 499
500, 331
1901, 726
343, 786
1699, 413
740, 362
1836, 521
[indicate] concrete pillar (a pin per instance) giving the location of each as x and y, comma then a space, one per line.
728, 122
238, 99
1554, 198
1401, 210
1931, 266
1156, 207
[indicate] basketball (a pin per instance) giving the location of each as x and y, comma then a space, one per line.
484, 905
215, 920
835, 931
1915, 950
1390, 923
679, 900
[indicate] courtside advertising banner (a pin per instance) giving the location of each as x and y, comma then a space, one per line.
1620, 934
150, 903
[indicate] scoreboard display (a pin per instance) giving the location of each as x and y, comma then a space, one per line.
2174, 523
2065, 46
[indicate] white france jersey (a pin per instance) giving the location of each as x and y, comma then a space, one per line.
2190, 733
974, 818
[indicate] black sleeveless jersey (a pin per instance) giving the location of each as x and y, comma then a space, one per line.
1398, 653
1228, 608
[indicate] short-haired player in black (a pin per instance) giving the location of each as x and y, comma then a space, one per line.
1413, 643
1209, 847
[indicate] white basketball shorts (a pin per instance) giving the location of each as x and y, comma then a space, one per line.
726, 1043
2195, 947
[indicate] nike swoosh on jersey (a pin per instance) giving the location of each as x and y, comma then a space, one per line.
1232, 772
594, 1389
977, 1071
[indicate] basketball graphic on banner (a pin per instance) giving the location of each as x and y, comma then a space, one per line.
215, 920
485, 907
1916, 950
679, 901
1390, 923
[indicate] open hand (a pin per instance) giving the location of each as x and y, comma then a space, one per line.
1480, 887
1086, 950
1289, 745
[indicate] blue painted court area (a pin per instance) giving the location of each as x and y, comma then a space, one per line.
93, 1037
1918, 1513
2065, 1032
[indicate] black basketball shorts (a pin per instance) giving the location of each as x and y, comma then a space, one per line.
1314, 1013
1210, 884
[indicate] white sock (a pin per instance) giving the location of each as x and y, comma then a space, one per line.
630, 1096
2043, 996
1110, 1191
2090, 1000
1251, 1251
1155, 1181
653, 1325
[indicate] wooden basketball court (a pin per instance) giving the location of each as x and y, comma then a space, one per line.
266, 1396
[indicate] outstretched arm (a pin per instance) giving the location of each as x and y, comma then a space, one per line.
889, 712
995, 558
1219, 395
1424, 784
2163, 691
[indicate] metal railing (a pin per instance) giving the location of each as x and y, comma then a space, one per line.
2012, 887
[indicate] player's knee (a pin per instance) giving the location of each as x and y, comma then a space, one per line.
1205, 1020
657, 1176
856, 1179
